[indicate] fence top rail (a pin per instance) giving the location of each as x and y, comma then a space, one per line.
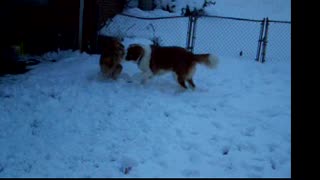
209, 16
153, 18
172, 17
232, 18
284, 22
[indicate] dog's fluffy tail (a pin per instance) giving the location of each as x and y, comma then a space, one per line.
209, 60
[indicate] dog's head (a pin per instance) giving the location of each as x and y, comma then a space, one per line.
134, 52
118, 48
107, 65
111, 57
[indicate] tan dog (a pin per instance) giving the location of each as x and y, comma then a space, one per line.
112, 53
153, 60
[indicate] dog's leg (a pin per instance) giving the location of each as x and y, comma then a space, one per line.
146, 76
191, 83
181, 81
189, 77
117, 71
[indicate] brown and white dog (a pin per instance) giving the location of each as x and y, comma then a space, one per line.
153, 60
112, 53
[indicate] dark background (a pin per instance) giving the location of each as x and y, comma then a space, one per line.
42, 25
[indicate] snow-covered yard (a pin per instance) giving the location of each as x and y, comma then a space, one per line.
62, 119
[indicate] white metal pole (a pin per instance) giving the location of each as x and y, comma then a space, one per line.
81, 23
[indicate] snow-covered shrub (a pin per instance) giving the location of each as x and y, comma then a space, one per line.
117, 30
132, 3
184, 7
157, 41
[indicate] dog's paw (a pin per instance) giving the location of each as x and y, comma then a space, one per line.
193, 88
137, 77
117, 71
144, 81
125, 77
180, 90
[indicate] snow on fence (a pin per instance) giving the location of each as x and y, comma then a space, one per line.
261, 40
166, 31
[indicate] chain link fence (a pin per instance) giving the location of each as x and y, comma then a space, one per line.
260, 40
227, 36
168, 31
279, 41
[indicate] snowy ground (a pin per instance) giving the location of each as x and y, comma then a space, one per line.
62, 119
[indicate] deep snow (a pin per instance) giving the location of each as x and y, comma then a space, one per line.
62, 119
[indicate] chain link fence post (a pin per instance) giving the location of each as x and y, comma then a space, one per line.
260, 39
191, 32
195, 18
265, 41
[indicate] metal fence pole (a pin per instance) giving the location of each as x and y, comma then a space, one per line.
80, 33
194, 32
189, 33
265, 41
260, 39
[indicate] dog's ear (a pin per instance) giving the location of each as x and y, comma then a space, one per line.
134, 45
134, 52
